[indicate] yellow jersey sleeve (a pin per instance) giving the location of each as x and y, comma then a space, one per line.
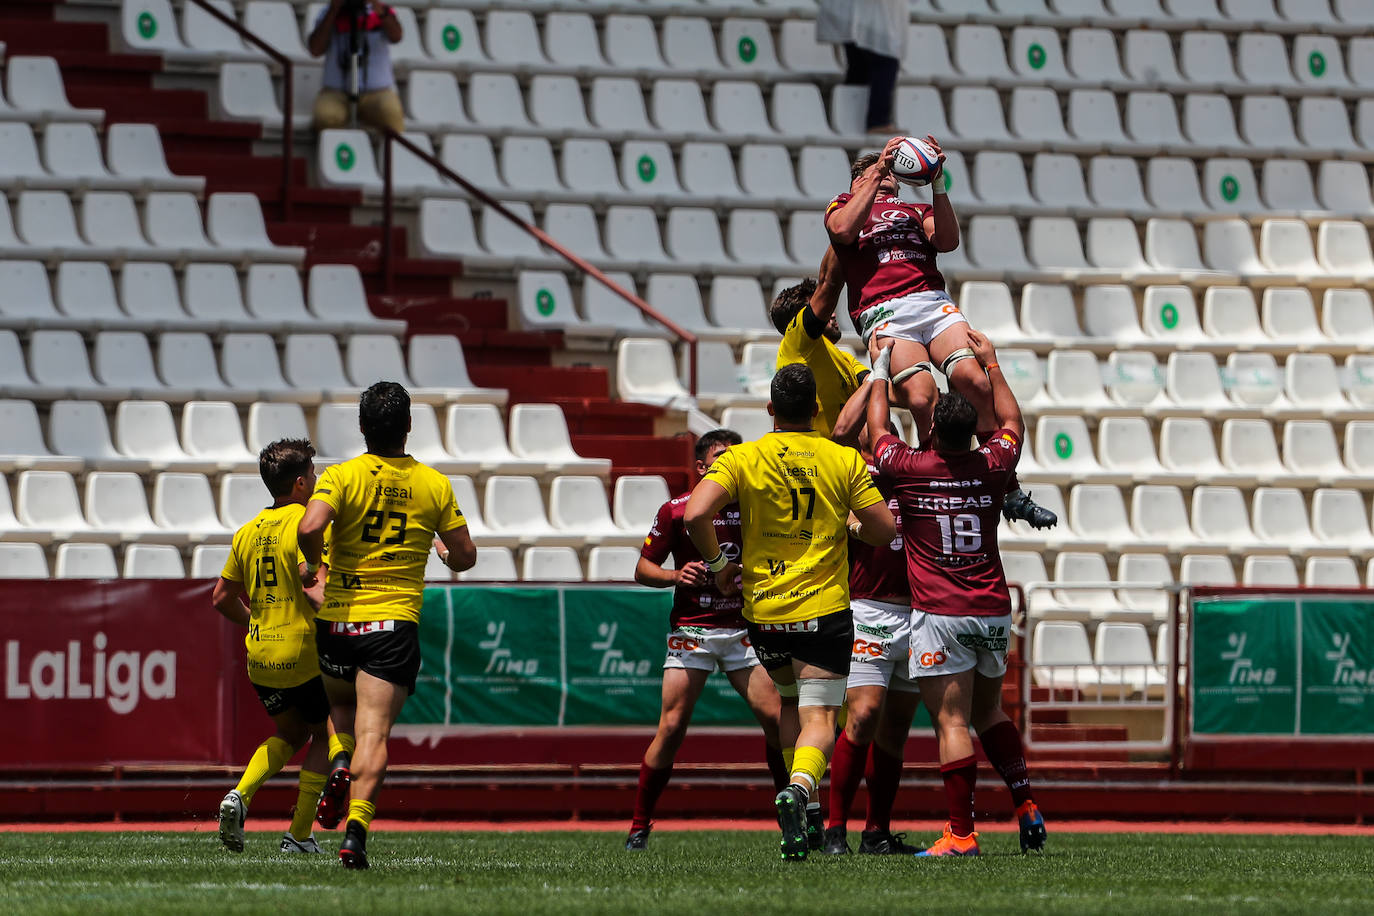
329, 486
233, 568
862, 493
451, 516
796, 345
853, 365
725, 470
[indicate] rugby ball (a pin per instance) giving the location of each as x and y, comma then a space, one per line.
914, 161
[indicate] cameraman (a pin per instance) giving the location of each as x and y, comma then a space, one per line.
368, 29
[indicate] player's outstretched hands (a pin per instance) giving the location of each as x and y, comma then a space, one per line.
693, 574
982, 348
886, 158
882, 363
727, 580
939, 153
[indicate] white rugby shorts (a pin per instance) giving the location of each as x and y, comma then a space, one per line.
944, 644
708, 648
882, 638
921, 316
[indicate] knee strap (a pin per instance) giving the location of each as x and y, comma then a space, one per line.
822, 692
909, 371
961, 353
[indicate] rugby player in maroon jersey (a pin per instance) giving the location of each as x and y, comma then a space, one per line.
705, 631
949, 495
887, 250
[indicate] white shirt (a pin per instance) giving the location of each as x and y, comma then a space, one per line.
874, 25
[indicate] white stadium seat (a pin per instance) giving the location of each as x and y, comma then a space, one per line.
494, 564
606, 564
23, 561
207, 560
550, 564
579, 504
153, 561
85, 561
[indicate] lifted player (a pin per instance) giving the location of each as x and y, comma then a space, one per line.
887, 250
264, 572
706, 632
961, 608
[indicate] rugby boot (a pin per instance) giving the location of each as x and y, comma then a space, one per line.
353, 849
815, 826
951, 845
1032, 827
334, 799
1019, 505
791, 806
885, 843
638, 840
232, 813
293, 845
836, 841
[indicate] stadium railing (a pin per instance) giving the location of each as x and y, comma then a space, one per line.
1115, 692
288, 76
388, 218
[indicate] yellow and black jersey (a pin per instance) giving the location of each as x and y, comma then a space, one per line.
837, 372
795, 491
386, 513
264, 558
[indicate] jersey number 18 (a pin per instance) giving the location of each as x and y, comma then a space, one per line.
960, 534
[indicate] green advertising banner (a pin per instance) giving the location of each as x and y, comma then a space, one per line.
550, 656
1282, 665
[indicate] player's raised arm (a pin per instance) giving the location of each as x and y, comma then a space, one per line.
310, 536
829, 285
941, 225
879, 412
1004, 406
844, 222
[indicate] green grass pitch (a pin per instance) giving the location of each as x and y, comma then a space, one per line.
687, 872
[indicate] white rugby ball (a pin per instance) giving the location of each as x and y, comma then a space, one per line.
914, 161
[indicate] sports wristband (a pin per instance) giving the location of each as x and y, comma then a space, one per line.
854, 530
882, 365
937, 182
719, 563
311, 568
990, 366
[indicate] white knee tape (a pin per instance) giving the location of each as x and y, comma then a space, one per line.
962, 353
822, 692
786, 690
909, 371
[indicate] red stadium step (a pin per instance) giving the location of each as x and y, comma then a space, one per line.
123, 105
537, 383
637, 450
440, 314
601, 417
308, 205
234, 173
31, 10
24, 35
511, 351
194, 135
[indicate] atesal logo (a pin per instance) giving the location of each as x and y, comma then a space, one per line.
502, 660
613, 661
120, 678
1243, 669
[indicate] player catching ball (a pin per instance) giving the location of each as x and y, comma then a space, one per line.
706, 632
795, 490
887, 250
961, 608
261, 589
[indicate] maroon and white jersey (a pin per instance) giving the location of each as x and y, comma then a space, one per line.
704, 606
951, 504
892, 256
879, 572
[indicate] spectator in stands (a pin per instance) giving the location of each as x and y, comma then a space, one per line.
873, 33
376, 28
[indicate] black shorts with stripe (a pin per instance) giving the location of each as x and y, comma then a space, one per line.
309, 699
386, 649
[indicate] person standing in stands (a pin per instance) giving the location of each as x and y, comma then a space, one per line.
873, 33
343, 30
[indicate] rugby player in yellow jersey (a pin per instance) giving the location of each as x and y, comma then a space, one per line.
386, 509
261, 589
796, 490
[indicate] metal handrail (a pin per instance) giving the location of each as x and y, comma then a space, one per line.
288, 78
388, 193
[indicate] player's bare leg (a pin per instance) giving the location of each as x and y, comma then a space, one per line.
379, 705
949, 699
298, 838
1001, 742
343, 704
756, 687
819, 693
681, 689
951, 352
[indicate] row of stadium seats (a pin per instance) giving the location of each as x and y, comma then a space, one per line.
115, 508
567, 42
165, 561
72, 159
84, 295
145, 437
123, 364
1119, 664
109, 228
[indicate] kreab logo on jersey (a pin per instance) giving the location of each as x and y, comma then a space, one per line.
502, 660
613, 661
121, 679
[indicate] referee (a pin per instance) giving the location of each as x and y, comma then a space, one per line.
796, 490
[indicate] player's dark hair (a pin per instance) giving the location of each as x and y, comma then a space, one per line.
861, 165
384, 417
955, 420
791, 301
793, 394
281, 462
716, 437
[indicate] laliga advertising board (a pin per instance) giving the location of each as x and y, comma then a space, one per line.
111, 671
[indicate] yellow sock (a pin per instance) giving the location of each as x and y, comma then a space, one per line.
362, 812
340, 743
312, 784
270, 757
809, 764
788, 755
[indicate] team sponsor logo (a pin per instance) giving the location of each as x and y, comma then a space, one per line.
613, 660
876, 630
994, 640
119, 678
863, 650
956, 484
502, 659
953, 502
1244, 671
678, 643
932, 659
895, 216
796, 626
361, 627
